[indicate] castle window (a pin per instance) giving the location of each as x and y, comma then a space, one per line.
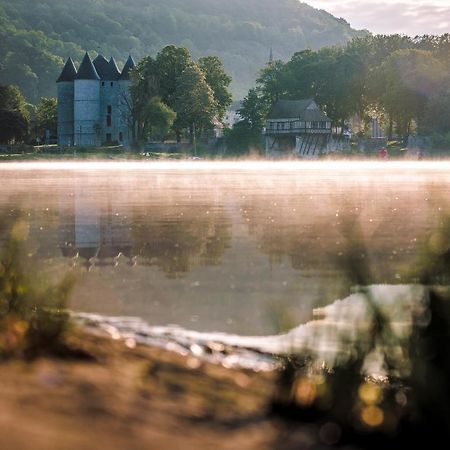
120, 136
103, 83
109, 109
112, 83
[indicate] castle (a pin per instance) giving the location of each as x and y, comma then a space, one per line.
94, 103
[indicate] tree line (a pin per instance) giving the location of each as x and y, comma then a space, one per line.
19, 119
401, 81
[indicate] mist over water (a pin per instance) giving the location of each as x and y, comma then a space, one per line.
238, 247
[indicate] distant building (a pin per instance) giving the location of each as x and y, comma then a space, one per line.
232, 115
298, 127
93, 103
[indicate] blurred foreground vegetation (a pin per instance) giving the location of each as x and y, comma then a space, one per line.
410, 405
33, 320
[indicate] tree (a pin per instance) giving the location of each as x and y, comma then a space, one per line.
253, 110
14, 118
246, 134
159, 118
218, 81
193, 101
404, 82
437, 116
171, 62
271, 82
46, 115
145, 85
12, 99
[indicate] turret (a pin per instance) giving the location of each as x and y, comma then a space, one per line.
129, 65
65, 84
87, 126
101, 66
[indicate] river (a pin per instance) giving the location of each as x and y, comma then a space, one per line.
235, 247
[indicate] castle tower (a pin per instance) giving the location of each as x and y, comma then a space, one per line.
87, 126
125, 102
65, 84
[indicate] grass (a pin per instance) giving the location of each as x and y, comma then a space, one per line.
33, 317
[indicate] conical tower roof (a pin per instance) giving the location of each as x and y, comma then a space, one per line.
68, 73
87, 70
113, 70
129, 65
101, 66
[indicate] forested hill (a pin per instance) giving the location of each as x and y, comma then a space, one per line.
36, 35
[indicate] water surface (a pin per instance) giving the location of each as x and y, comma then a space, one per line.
245, 247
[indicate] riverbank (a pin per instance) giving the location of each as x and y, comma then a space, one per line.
132, 398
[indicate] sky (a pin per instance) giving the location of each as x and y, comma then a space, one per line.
412, 17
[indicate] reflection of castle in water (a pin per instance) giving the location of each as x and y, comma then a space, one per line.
93, 233
107, 230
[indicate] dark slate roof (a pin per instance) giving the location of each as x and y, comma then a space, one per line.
130, 64
113, 70
296, 109
68, 73
101, 66
87, 70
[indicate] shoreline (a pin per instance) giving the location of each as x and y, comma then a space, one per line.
122, 397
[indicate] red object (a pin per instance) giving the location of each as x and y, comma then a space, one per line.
383, 153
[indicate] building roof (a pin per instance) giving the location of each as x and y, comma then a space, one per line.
113, 70
130, 64
297, 109
101, 66
68, 73
87, 70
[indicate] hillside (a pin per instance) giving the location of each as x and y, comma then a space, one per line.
37, 35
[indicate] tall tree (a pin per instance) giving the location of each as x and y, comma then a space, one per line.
404, 82
272, 82
246, 134
193, 101
46, 115
218, 81
171, 62
14, 117
158, 119
145, 85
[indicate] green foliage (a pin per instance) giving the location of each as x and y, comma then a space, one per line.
394, 78
246, 134
437, 117
31, 318
37, 35
171, 62
14, 117
218, 81
46, 115
408, 408
11, 99
193, 100
159, 118
172, 91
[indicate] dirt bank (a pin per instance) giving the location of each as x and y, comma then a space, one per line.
141, 398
